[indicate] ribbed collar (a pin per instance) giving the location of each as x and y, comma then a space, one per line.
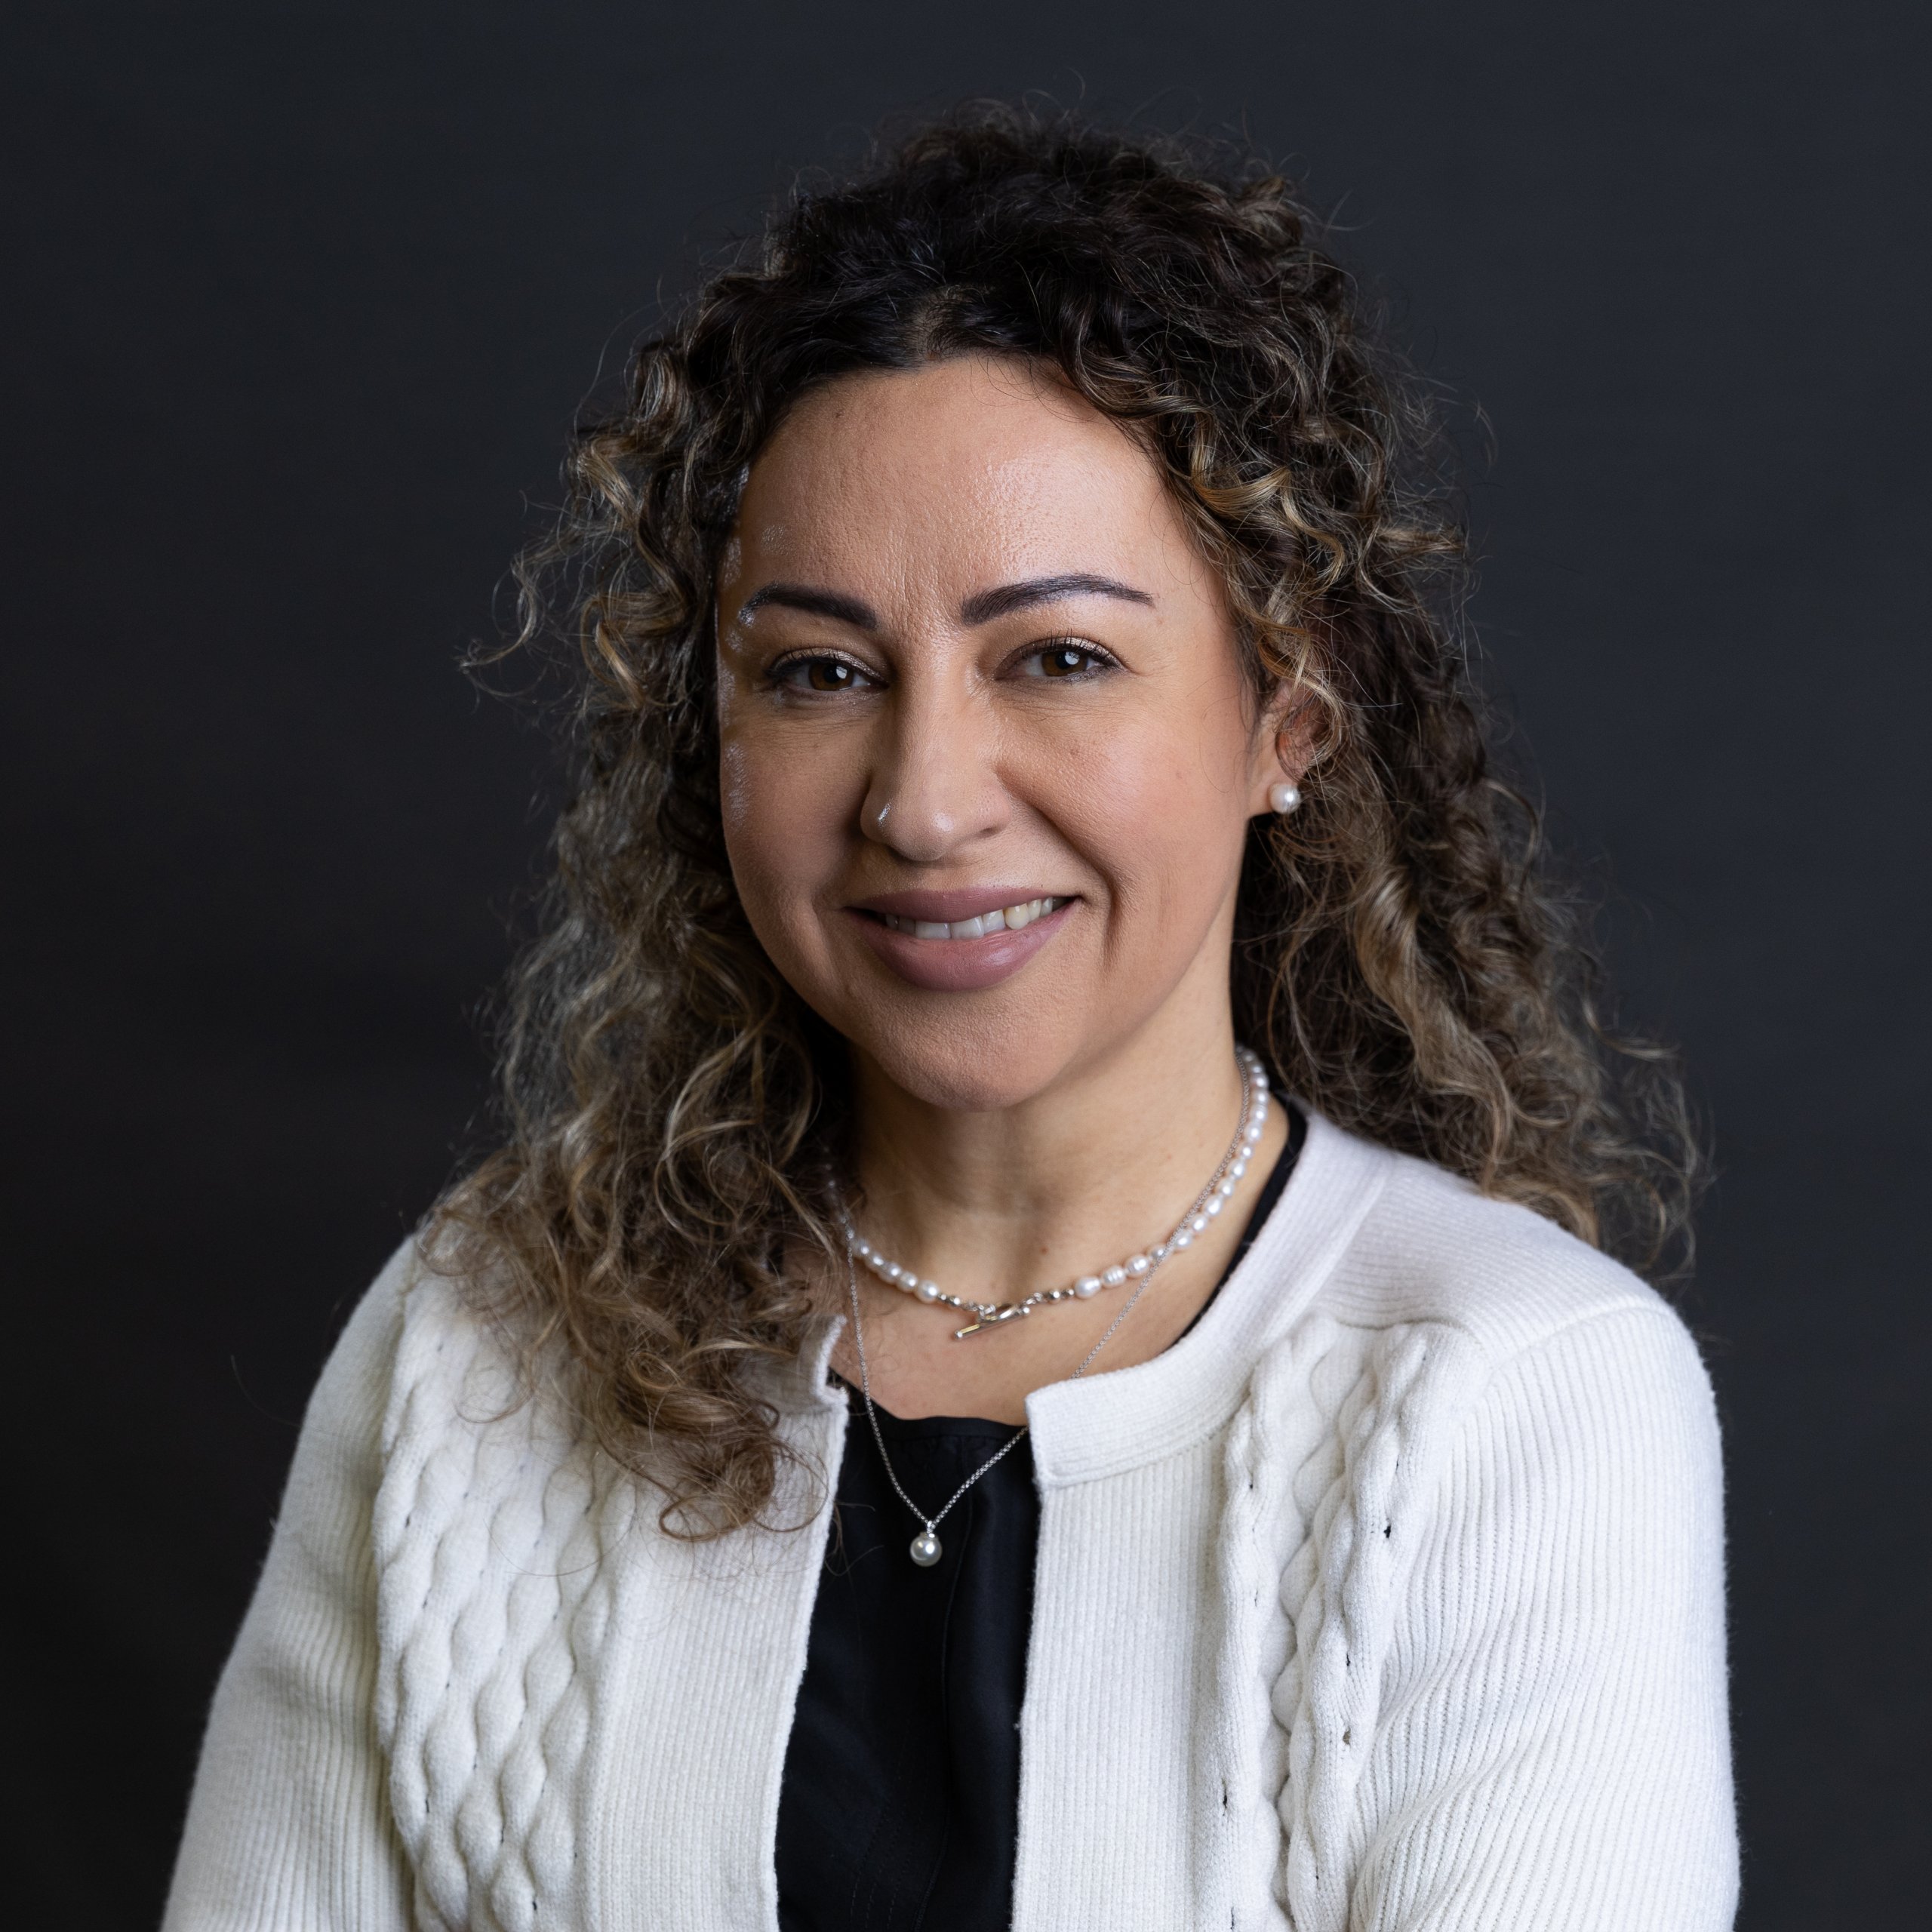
1108, 1423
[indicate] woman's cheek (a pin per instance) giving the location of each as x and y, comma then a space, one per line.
1152, 816
777, 846
783, 804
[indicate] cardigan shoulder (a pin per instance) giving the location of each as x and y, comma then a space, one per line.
1433, 1250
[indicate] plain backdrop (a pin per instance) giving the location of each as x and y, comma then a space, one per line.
301, 302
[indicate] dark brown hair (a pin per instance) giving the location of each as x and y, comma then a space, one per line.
675, 1114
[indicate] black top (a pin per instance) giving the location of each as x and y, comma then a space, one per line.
900, 1810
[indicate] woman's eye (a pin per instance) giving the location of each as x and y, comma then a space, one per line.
819, 674
1067, 660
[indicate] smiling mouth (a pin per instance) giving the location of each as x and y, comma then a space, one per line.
1001, 919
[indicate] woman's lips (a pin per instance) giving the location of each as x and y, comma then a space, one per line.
963, 964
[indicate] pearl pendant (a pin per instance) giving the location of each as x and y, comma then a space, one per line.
925, 1549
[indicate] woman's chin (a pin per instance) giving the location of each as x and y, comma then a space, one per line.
986, 1062
969, 1084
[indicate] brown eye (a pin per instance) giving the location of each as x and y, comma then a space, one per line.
1065, 660
830, 674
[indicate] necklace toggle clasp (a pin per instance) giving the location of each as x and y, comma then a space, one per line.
990, 1317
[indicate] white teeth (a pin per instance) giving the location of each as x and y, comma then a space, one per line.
1002, 919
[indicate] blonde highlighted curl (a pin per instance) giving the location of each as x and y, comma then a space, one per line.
676, 1116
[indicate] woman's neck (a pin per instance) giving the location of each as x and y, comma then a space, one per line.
991, 1199
993, 1205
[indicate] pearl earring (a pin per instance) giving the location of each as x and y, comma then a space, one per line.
1284, 798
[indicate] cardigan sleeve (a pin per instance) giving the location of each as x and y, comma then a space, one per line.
1554, 1748
288, 1829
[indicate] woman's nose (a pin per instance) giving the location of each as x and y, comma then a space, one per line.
935, 787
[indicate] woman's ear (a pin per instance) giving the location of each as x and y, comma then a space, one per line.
1284, 745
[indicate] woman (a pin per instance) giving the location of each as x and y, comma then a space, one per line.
1041, 1349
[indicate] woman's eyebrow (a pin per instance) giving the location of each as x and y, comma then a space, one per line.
819, 603
988, 604
981, 608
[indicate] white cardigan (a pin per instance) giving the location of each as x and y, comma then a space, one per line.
1390, 1597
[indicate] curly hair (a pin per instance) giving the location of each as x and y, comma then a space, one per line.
676, 1118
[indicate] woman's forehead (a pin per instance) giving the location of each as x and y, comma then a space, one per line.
950, 479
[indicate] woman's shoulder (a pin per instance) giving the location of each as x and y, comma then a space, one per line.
1449, 1329
422, 1359
1429, 1249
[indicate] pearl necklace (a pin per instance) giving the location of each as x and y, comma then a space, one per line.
1137, 1267
925, 1549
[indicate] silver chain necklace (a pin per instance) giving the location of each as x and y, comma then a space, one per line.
925, 1549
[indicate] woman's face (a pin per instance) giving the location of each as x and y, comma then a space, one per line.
988, 752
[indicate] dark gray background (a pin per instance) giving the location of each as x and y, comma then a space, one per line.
301, 301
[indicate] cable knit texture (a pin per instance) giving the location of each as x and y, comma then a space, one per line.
1389, 1597
492, 1534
